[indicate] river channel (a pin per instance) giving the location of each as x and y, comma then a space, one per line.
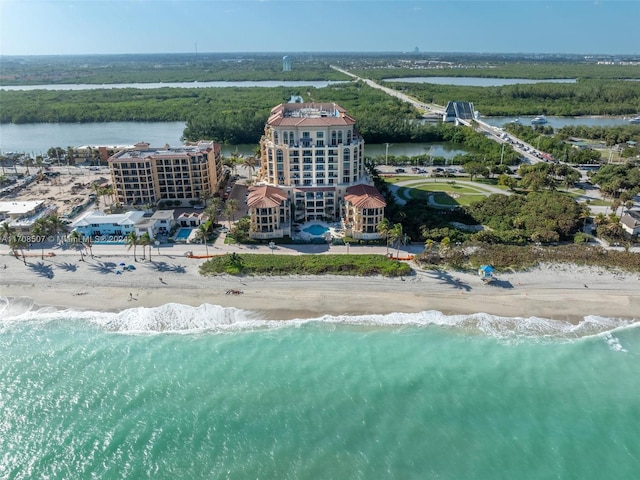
148, 86
37, 138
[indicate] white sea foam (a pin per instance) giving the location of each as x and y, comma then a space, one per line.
613, 342
178, 318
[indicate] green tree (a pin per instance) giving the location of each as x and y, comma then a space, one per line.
17, 242
132, 240
41, 229
77, 242
213, 209
230, 209
6, 231
397, 237
145, 240
250, 163
202, 234
384, 228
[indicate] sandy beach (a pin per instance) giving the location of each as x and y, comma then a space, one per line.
560, 292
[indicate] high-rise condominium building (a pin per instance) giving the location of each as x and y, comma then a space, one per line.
311, 155
146, 175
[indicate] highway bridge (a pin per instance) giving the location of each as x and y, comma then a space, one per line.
428, 110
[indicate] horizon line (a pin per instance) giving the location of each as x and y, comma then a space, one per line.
329, 52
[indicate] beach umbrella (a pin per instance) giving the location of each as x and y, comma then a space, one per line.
131, 267
122, 264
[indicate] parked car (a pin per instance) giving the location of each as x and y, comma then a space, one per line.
400, 170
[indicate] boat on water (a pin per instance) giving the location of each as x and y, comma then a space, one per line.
539, 120
635, 120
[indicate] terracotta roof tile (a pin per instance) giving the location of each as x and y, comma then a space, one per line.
365, 196
266, 196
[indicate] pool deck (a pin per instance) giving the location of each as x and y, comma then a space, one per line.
334, 229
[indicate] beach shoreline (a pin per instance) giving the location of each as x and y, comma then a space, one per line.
557, 292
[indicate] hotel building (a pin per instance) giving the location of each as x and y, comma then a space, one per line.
144, 175
311, 156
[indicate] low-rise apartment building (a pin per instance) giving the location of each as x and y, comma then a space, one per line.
114, 227
21, 216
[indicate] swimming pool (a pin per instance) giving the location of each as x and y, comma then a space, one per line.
182, 234
316, 229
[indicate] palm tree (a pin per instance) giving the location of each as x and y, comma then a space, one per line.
77, 242
56, 225
428, 244
397, 236
145, 241
203, 234
132, 240
70, 155
628, 205
6, 232
17, 242
230, 209
88, 243
384, 228
600, 219
41, 229
250, 163
28, 162
213, 208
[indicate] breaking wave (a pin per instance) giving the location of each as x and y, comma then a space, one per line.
178, 318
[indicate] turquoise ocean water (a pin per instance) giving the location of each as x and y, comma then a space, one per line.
213, 393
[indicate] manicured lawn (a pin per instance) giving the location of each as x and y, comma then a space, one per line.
448, 187
442, 198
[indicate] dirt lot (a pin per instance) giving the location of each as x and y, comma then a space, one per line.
71, 187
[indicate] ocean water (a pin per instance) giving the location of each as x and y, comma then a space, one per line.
216, 393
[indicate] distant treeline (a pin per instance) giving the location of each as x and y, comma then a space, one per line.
528, 70
586, 97
161, 69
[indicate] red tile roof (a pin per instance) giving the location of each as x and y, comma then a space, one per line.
266, 196
365, 196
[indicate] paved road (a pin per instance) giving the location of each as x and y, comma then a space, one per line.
428, 108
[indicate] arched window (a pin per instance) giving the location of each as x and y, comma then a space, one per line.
333, 137
286, 138
349, 136
275, 137
345, 155
279, 157
339, 137
292, 139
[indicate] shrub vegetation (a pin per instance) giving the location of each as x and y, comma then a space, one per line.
257, 264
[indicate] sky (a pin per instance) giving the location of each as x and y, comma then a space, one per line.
67, 27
